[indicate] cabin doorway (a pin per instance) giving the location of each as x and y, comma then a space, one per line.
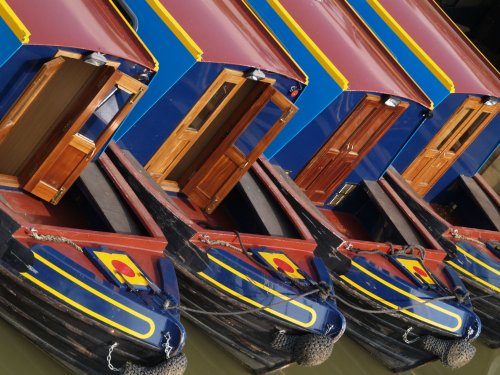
220, 138
61, 120
354, 138
450, 142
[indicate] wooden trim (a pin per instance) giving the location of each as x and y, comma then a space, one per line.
28, 96
10, 181
170, 185
163, 156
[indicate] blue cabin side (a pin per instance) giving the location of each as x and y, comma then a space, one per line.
148, 134
324, 85
299, 151
174, 59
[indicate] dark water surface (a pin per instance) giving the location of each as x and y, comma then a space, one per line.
18, 356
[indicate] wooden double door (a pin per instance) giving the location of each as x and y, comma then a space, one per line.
62, 119
220, 138
449, 143
354, 138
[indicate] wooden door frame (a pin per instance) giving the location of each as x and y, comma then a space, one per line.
379, 107
478, 108
162, 155
270, 94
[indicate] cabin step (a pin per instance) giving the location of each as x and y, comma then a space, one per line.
481, 199
106, 201
391, 211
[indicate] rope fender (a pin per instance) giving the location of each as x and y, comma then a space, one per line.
307, 350
452, 353
172, 366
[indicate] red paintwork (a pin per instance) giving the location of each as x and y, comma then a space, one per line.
283, 265
123, 268
299, 250
228, 33
486, 187
346, 224
339, 33
427, 24
87, 24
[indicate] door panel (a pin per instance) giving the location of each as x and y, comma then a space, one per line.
194, 125
224, 168
448, 144
338, 157
64, 152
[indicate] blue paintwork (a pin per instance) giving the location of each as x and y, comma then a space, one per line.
174, 60
468, 163
424, 78
10, 43
297, 153
322, 272
468, 317
147, 135
326, 311
321, 89
474, 267
163, 320
169, 282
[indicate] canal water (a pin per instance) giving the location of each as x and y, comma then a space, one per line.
18, 356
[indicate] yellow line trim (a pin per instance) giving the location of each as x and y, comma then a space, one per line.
96, 293
488, 267
263, 287
431, 103
459, 30
269, 31
412, 45
157, 64
14, 23
312, 47
454, 265
176, 28
406, 294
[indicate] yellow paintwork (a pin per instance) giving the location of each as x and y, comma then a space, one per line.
13, 21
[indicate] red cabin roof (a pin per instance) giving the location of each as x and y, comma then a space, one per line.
353, 49
228, 33
86, 24
427, 24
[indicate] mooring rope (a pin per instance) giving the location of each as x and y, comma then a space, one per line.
455, 234
32, 232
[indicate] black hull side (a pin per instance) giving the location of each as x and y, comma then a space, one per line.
72, 338
248, 337
382, 336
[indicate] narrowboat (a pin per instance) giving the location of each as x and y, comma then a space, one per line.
450, 203
442, 158
82, 271
244, 260
336, 160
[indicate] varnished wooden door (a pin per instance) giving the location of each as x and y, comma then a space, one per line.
194, 125
72, 133
449, 143
362, 129
254, 131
